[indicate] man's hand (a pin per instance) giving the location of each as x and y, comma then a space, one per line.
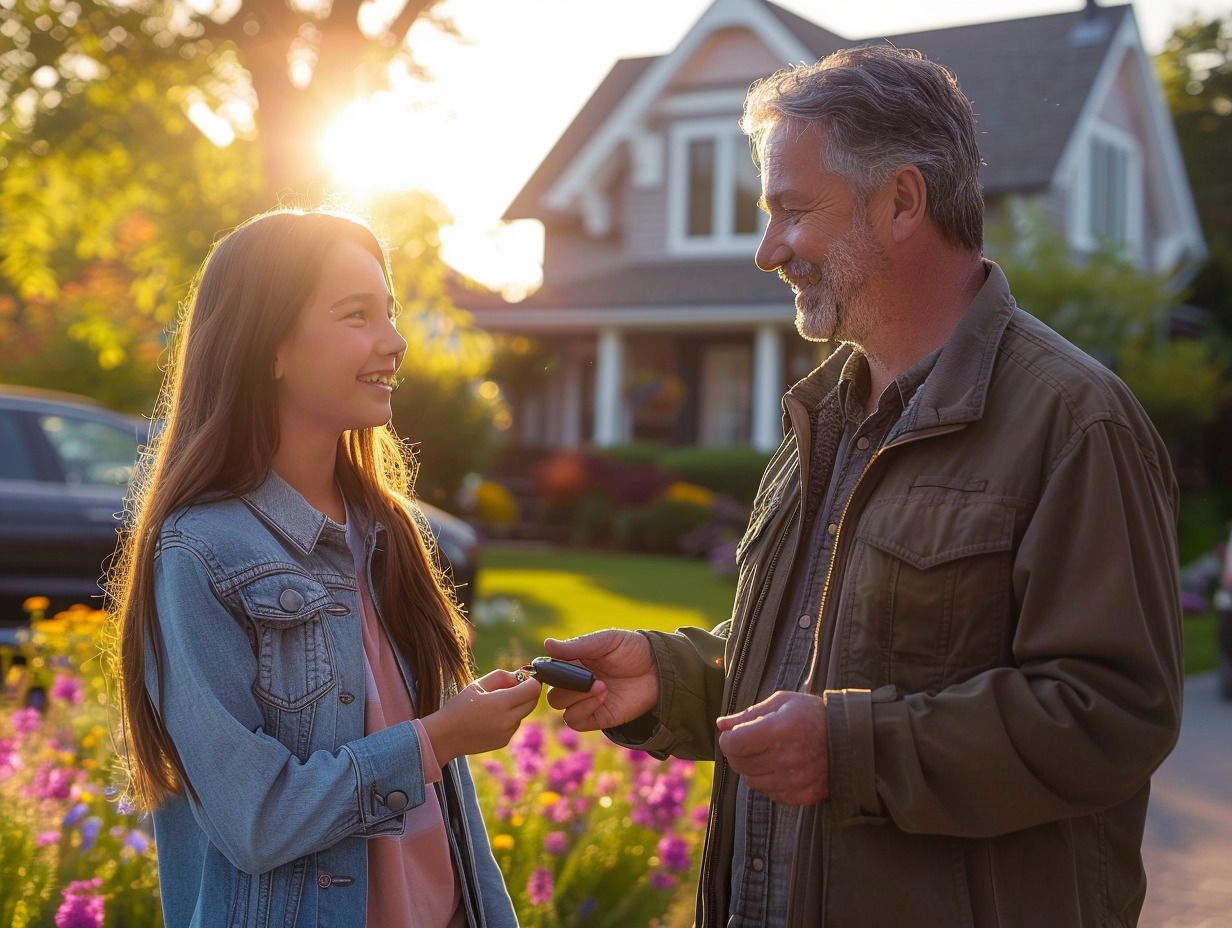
779, 747
626, 682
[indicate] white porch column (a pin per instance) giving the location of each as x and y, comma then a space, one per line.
609, 384
571, 413
767, 429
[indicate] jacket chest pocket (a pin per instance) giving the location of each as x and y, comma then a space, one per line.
929, 585
295, 664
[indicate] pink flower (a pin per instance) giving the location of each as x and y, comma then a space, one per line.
10, 759
527, 748
567, 774
67, 688
46, 838
539, 888
81, 908
568, 739
25, 721
700, 815
661, 880
673, 852
555, 842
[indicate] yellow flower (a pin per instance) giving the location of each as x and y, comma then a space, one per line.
549, 798
502, 843
682, 492
516, 821
36, 604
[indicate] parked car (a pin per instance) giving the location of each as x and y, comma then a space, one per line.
65, 463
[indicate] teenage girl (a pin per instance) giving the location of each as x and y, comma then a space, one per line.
293, 668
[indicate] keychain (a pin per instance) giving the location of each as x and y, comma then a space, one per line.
558, 673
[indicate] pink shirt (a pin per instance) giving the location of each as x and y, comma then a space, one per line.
412, 882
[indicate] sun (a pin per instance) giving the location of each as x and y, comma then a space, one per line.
396, 141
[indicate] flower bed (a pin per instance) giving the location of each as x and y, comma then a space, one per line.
586, 833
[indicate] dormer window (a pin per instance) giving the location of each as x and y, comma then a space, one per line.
1108, 203
713, 190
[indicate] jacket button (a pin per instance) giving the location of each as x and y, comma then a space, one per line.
396, 801
758, 864
346, 698
832, 527
805, 621
291, 600
862, 443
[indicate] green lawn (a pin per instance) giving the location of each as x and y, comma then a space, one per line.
526, 595
560, 593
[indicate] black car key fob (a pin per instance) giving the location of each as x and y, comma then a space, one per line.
559, 673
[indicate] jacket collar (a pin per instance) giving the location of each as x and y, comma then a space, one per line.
283, 508
955, 391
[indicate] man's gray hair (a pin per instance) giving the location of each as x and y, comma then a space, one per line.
882, 107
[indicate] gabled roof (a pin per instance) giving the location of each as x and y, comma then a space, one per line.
1027, 78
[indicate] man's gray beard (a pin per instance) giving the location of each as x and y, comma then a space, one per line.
833, 308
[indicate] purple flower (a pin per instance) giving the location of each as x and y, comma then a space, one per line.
89, 831
567, 774
567, 738
25, 721
67, 688
74, 815
51, 782
81, 907
661, 880
527, 748
10, 759
659, 802
700, 815
137, 842
673, 853
555, 842
539, 888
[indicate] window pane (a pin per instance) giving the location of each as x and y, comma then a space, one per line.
1109, 182
91, 452
701, 187
748, 191
15, 463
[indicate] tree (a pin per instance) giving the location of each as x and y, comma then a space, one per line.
1118, 313
278, 70
1196, 69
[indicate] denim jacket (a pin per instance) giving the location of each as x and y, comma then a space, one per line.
263, 693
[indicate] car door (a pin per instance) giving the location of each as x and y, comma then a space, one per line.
62, 482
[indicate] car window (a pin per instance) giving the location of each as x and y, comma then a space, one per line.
15, 462
91, 452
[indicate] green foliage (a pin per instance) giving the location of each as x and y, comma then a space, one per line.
1196, 69
735, 471
659, 526
1180, 383
1101, 302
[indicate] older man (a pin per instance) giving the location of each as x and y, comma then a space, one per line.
953, 660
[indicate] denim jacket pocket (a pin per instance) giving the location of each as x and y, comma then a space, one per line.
932, 579
295, 665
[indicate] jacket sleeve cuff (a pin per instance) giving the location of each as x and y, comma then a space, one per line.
648, 733
849, 736
389, 772
431, 769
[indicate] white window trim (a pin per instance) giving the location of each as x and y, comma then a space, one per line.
1080, 213
723, 243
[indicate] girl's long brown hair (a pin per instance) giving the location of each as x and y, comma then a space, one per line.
219, 433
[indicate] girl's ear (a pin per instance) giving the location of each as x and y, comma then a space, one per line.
277, 371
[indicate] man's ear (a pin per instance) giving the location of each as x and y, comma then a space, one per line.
910, 202
277, 368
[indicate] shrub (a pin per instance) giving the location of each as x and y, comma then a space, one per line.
660, 525
734, 472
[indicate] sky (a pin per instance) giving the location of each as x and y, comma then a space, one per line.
502, 94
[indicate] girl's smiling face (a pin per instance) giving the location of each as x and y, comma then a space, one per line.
335, 370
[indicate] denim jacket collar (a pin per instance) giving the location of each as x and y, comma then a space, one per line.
285, 510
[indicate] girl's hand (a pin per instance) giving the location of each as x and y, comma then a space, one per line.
482, 717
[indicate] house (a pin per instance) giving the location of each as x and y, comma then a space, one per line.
656, 324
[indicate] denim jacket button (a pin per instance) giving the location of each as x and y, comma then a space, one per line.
291, 600
346, 698
396, 801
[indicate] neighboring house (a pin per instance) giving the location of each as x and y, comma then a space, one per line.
658, 323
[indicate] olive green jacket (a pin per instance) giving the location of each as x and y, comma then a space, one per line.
999, 646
